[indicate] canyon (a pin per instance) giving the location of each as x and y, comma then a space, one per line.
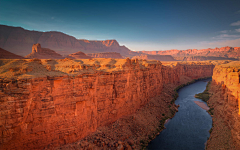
225, 98
56, 102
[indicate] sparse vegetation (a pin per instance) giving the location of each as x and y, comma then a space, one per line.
175, 95
205, 95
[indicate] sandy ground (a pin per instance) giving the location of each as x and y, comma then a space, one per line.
202, 105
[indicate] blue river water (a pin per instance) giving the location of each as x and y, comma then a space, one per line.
189, 128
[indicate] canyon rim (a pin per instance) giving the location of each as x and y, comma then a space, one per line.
109, 75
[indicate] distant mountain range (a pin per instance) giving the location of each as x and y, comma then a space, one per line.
20, 41
227, 52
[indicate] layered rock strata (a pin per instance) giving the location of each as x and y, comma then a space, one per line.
226, 103
60, 106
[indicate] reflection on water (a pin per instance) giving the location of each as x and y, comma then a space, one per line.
188, 129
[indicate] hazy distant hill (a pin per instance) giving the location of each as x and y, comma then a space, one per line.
8, 55
19, 41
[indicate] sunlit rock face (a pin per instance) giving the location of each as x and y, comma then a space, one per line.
226, 98
50, 102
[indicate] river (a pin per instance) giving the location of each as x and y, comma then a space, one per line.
189, 128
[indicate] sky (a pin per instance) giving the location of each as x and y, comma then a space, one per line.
137, 24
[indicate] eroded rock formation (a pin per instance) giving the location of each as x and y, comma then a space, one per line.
226, 103
65, 100
43, 53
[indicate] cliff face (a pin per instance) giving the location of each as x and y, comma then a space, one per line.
8, 55
225, 101
36, 112
19, 41
106, 55
155, 57
43, 53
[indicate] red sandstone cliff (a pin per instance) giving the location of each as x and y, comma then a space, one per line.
226, 103
155, 57
19, 41
8, 55
106, 55
57, 109
43, 53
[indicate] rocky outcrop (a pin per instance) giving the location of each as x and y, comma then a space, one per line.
18, 40
8, 55
226, 103
58, 108
43, 53
203, 58
155, 57
78, 55
106, 55
226, 52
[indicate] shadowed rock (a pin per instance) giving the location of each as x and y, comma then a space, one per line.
8, 55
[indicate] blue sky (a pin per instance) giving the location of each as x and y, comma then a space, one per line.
137, 24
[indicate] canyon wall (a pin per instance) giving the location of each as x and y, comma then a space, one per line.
37, 112
226, 101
